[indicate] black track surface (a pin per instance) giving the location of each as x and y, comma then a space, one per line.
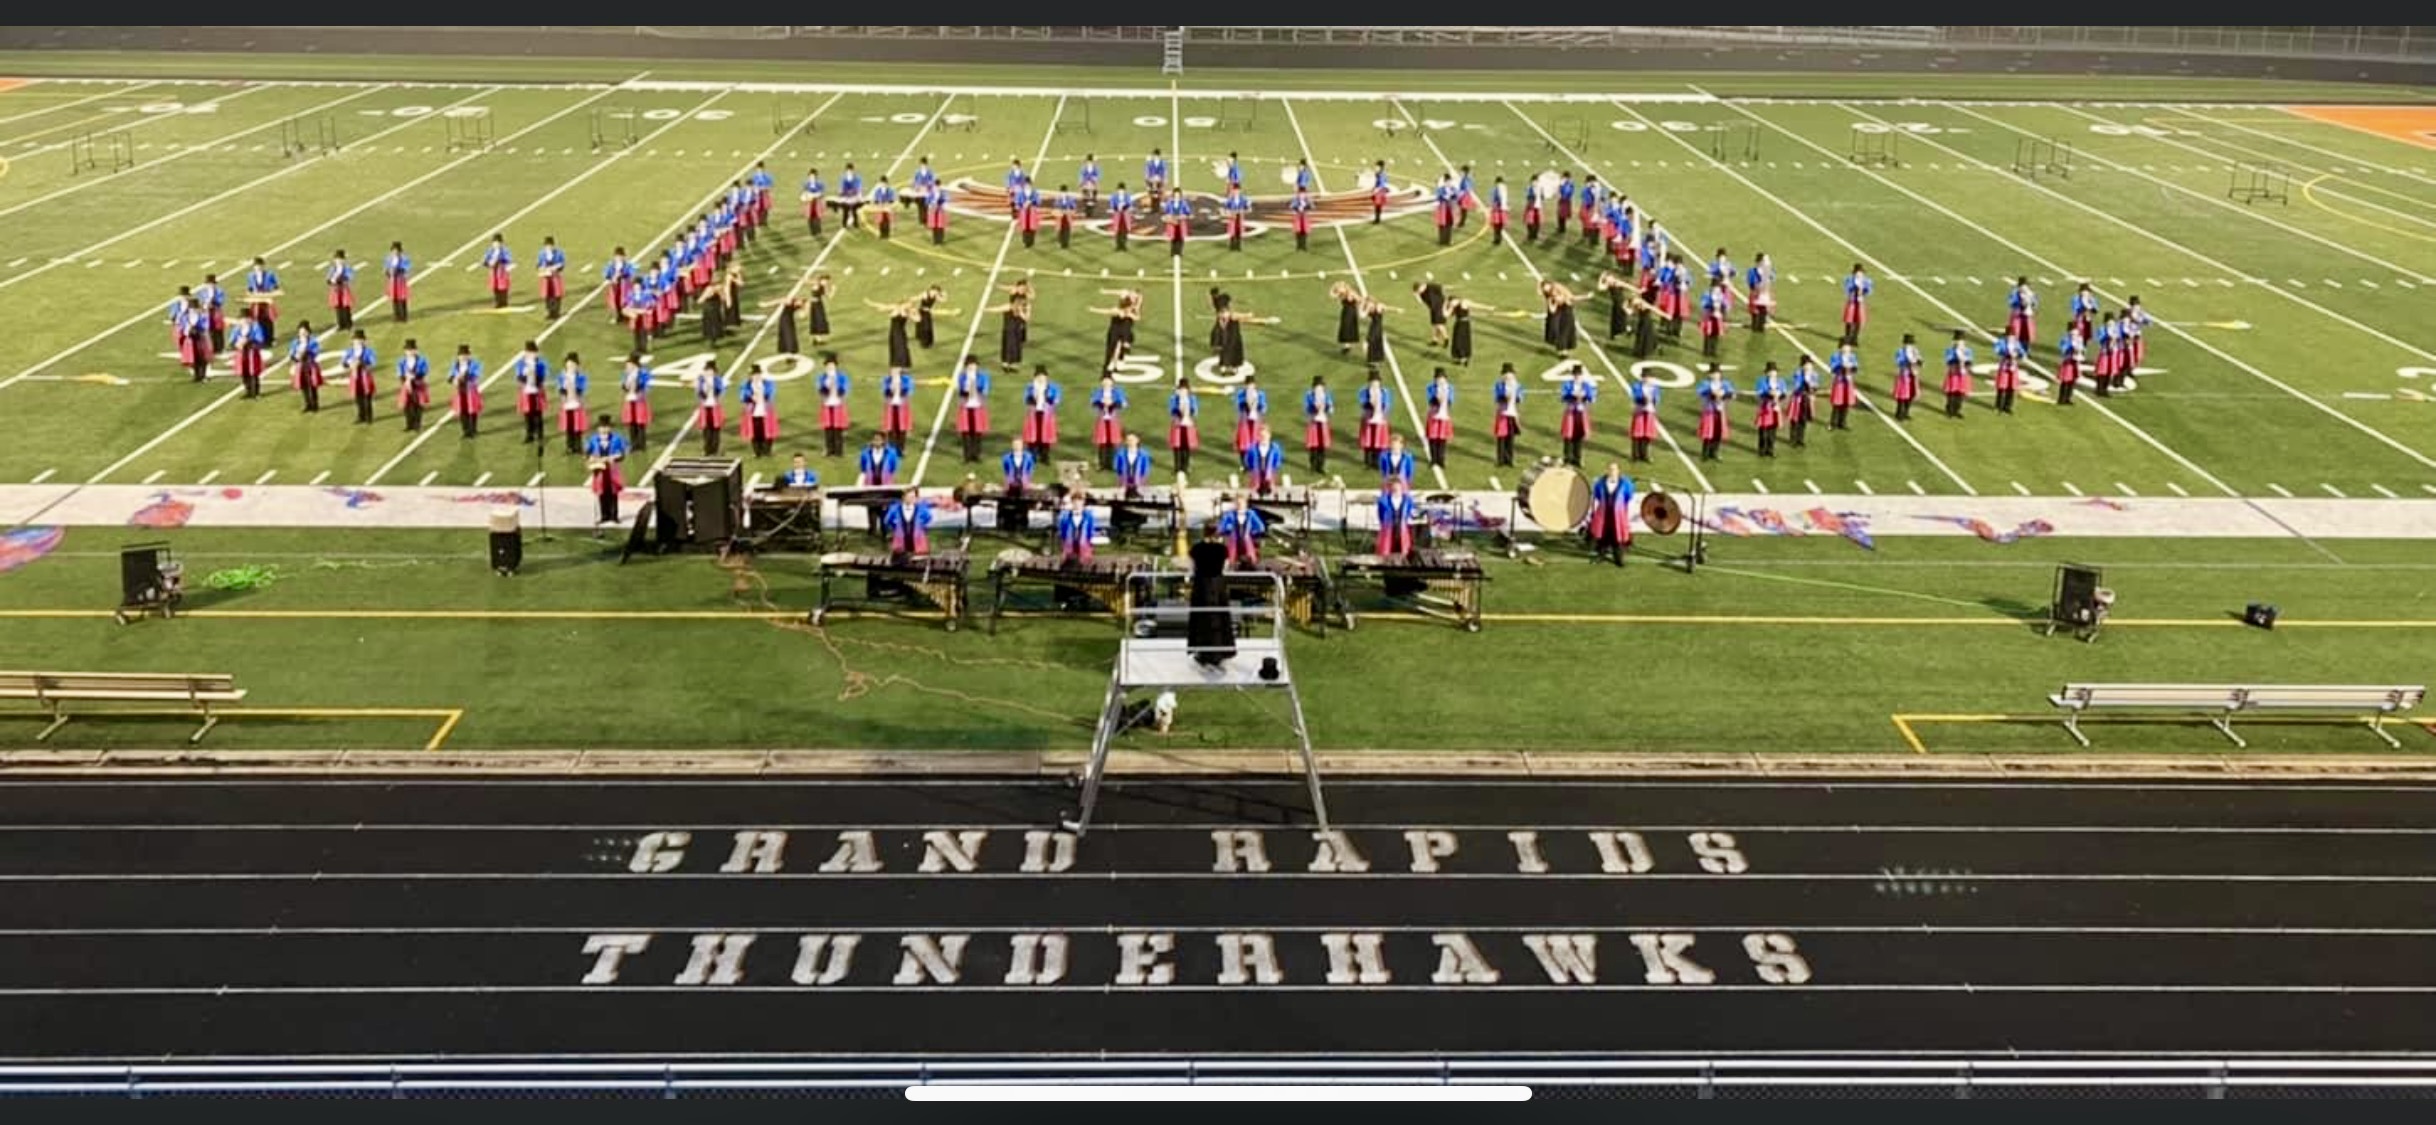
157, 919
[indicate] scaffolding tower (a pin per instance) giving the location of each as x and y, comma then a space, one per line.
1171, 51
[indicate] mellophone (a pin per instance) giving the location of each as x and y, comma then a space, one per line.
1106, 580
894, 581
1442, 584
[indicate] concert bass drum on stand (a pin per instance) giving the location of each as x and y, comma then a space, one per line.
1556, 496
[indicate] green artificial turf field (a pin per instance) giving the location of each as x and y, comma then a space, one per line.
2294, 356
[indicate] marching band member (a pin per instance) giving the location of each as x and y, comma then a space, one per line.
884, 198
1438, 416
799, 474
532, 375
1444, 210
2110, 356
831, 385
1857, 288
643, 310
414, 385
215, 310
1395, 462
1120, 215
850, 195
1348, 316
1066, 207
1154, 175
190, 333
1619, 300
497, 260
1396, 516
1565, 191
465, 389
1183, 425
1675, 299
924, 179
1433, 301
1715, 425
1241, 528
249, 340
357, 362
816, 309
2085, 307
1373, 401
551, 263
1715, 306
1531, 211
1108, 419
1318, 433
1506, 423
2021, 309
1374, 333
1843, 384
634, 400
339, 277
1232, 171
1646, 425
896, 407
1804, 389
2134, 325
1236, 206
398, 269
1264, 461
606, 452
1090, 179
572, 383
1378, 191
1076, 528
1907, 378
1574, 396
971, 393
620, 275
1178, 215
1556, 324
262, 296
2009, 355
762, 184
710, 408
758, 420
1610, 527
878, 464
937, 210
1016, 468
1769, 409
1027, 212
815, 199
1497, 212
1251, 413
1133, 467
1300, 208
1957, 374
1760, 282
1589, 211
907, 524
1040, 400
304, 366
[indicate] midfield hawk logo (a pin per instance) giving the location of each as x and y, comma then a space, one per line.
971, 197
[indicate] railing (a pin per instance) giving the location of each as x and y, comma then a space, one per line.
2295, 42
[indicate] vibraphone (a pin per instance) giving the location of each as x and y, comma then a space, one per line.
1105, 580
1287, 512
894, 581
1310, 593
1441, 584
870, 499
784, 518
1129, 517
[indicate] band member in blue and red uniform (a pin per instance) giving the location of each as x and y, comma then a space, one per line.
1178, 215
2134, 326
304, 366
1588, 208
1372, 402
1027, 212
339, 277
1445, 207
215, 310
1319, 409
1907, 378
2071, 352
971, 393
1089, 177
1647, 425
1076, 528
247, 337
1715, 425
907, 525
762, 183
1241, 528
607, 453
1843, 384
1497, 212
1715, 306
532, 375
357, 361
799, 474
936, 210
1565, 191
1466, 200
896, 407
1768, 408
1251, 412
1067, 207
1016, 468
1237, 206
1531, 210
1395, 462
1108, 419
1857, 288
831, 386
1396, 516
1378, 191
1801, 402
1759, 284
1154, 175
884, 202
634, 393
1264, 462
190, 328
551, 264
262, 296
815, 197
1232, 171
924, 179
850, 195
2010, 352
1610, 526
2110, 357
1300, 207
1120, 215
2021, 310
1574, 394
414, 385
397, 274
2085, 309
757, 411
465, 390
619, 274
1040, 401
1505, 421
500, 263
1183, 425
1133, 467
572, 383
1957, 374
1438, 416
710, 408
879, 462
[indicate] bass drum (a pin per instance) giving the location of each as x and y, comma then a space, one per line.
1555, 496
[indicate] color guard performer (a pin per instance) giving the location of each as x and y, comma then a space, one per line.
1768, 396
900, 317
1438, 416
2010, 351
2021, 310
1619, 290
248, 338
1610, 526
414, 385
1843, 384
1907, 378
878, 463
1802, 403
971, 394
1715, 425
1574, 396
831, 386
1646, 421
551, 264
1241, 528
1319, 407
634, 400
572, 383
1015, 323
907, 525
896, 407
499, 262
757, 416
357, 361
1397, 514
1373, 401
532, 375
1040, 401
1760, 283
262, 296
304, 366
1957, 374
605, 454
1505, 424
1459, 312
339, 277
1348, 316
1251, 413
465, 390
1433, 301
1122, 317
1264, 462
926, 314
398, 269
1076, 528
1183, 425
1557, 326
1374, 312
1133, 467
710, 408
1857, 288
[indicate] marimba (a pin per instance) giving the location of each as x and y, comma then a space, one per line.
1441, 584
1106, 581
893, 582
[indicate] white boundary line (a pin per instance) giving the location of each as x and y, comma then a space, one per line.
709, 825
921, 133
989, 285
189, 150
111, 93
1916, 929
136, 123
1623, 385
1146, 93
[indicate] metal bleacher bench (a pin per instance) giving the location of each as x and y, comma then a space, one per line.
2220, 703
53, 691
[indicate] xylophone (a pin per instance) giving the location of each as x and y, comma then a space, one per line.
1105, 580
894, 580
872, 499
1442, 584
1310, 592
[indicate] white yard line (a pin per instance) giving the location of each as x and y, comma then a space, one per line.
266, 476
318, 478
427, 479
484, 479
470, 244
184, 152
109, 93
2330, 193
44, 475
989, 285
1622, 383
122, 124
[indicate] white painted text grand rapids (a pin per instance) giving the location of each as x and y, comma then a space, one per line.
923, 874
